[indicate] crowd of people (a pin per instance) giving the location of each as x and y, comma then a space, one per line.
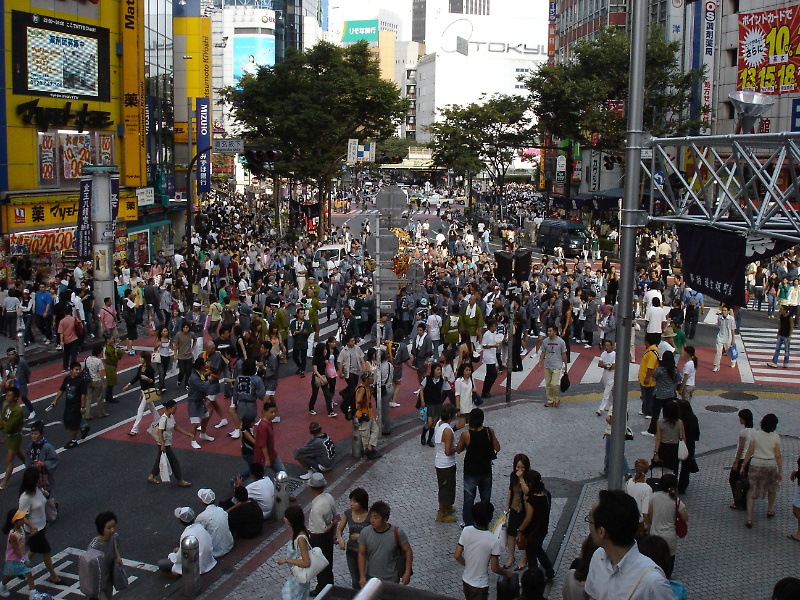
228, 308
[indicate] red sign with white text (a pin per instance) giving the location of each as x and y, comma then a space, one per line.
769, 51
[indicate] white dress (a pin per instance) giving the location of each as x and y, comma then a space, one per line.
464, 391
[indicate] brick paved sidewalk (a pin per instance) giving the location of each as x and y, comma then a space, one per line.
566, 446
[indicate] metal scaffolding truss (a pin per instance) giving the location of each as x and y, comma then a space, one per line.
743, 183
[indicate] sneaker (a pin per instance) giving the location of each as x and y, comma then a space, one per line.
394, 404
641, 413
312, 412
59, 347
588, 346
307, 476
647, 433
4, 591
205, 437
32, 416
332, 415
71, 444
221, 424
715, 369
130, 352
773, 365
235, 434
276, 420
47, 342
445, 518
195, 445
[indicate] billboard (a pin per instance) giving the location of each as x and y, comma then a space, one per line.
134, 140
355, 31
768, 58
59, 58
250, 52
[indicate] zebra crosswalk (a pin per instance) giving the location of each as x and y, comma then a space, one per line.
758, 344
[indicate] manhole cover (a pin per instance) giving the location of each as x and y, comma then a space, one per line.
722, 408
739, 396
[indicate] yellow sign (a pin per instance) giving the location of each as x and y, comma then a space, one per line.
133, 94
180, 133
197, 59
46, 215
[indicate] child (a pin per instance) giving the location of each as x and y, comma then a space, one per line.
17, 563
795, 476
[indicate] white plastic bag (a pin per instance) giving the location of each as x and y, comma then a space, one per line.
164, 468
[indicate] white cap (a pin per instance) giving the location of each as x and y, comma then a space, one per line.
185, 514
206, 496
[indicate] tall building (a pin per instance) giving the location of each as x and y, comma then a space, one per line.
380, 29
476, 48
419, 9
407, 55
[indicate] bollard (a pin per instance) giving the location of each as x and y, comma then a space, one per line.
357, 450
281, 496
190, 565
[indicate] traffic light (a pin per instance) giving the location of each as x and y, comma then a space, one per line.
388, 160
259, 162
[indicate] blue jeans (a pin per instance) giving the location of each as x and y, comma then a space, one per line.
771, 299
781, 342
648, 393
473, 483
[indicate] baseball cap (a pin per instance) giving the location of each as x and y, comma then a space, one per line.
185, 514
206, 496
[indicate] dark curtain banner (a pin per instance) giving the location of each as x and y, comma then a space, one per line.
713, 261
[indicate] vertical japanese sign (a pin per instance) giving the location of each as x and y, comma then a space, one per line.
203, 142
769, 47
708, 46
551, 44
352, 151
114, 198
83, 235
133, 78
552, 12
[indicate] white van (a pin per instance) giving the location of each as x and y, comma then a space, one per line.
328, 253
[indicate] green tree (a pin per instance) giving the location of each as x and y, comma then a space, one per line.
570, 99
483, 135
309, 105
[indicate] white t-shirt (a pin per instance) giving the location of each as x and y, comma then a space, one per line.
434, 327
690, 370
262, 492
489, 354
442, 460
608, 358
642, 493
655, 316
479, 546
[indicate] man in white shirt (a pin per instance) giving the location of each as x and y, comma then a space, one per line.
215, 521
490, 347
321, 525
653, 292
618, 571
260, 490
435, 330
727, 325
477, 548
655, 318
607, 362
172, 564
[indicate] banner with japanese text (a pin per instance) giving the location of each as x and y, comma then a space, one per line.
203, 142
769, 51
83, 235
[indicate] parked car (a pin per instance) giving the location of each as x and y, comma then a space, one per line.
328, 253
567, 234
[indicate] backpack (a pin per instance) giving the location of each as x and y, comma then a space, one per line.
228, 316
86, 377
693, 299
89, 573
78, 327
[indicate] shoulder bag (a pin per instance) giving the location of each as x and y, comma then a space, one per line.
401, 555
318, 563
681, 526
119, 576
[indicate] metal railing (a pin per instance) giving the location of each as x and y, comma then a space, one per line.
375, 589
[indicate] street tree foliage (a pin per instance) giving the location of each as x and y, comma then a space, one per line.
309, 105
482, 135
570, 99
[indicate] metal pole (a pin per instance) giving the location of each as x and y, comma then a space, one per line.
376, 284
509, 359
103, 233
630, 205
190, 566
189, 190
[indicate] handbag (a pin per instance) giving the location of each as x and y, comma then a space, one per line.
423, 414
156, 358
564, 386
683, 450
401, 555
318, 563
152, 429
628, 434
164, 468
681, 526
120, 577
734, 351
51, 510
522, 541
152, 394
320, 380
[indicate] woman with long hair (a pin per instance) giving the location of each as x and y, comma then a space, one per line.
33, 500
465, 387
691, 427
163, 347
297, 553
535, 525
667, 378
356, 518
669, 433
686, 387
146, 376
765, 462
319, 363
575, 579
746, 421
515, 507
664, 506
465, 351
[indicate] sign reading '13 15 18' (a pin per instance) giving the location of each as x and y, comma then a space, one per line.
769, 51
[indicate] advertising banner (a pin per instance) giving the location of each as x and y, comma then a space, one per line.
47, 158
114, 197
708, 46
134, 140
769, 51
250, 52
355, 31
83, 235
38, 243
76, 151
203, 141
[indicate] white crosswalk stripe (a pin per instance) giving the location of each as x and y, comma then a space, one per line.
759, 345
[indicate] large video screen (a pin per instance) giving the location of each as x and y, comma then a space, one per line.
59, 58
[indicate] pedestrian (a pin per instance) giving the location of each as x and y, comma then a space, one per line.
111, 357
765, 462
667, 378
380, 548
322, 521
173, 565
214, 520
481, 447
445, 464
32, 500
691, 427
607, 438
367, 422
694, 308
785, 329
350, 363
739, 490
131, 318
687, 385
12, 420
297, 554
555, 357
665, 507
163, 353
320, 361
647, 367
465, 392
431, 398
300, 329
165, 430
16, 372
575, 579
355, 519
183, 346
95, 388
669, 433
399, 355
248, 392
42, 455
515, 508
107, 543
43, 309
727, 326
421, 353
490, 346
17, 563
264, 452
534, 528
73, 388
69, 338
795, 476
607, 362
317, 454
478, 547
638, 488
146, 377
